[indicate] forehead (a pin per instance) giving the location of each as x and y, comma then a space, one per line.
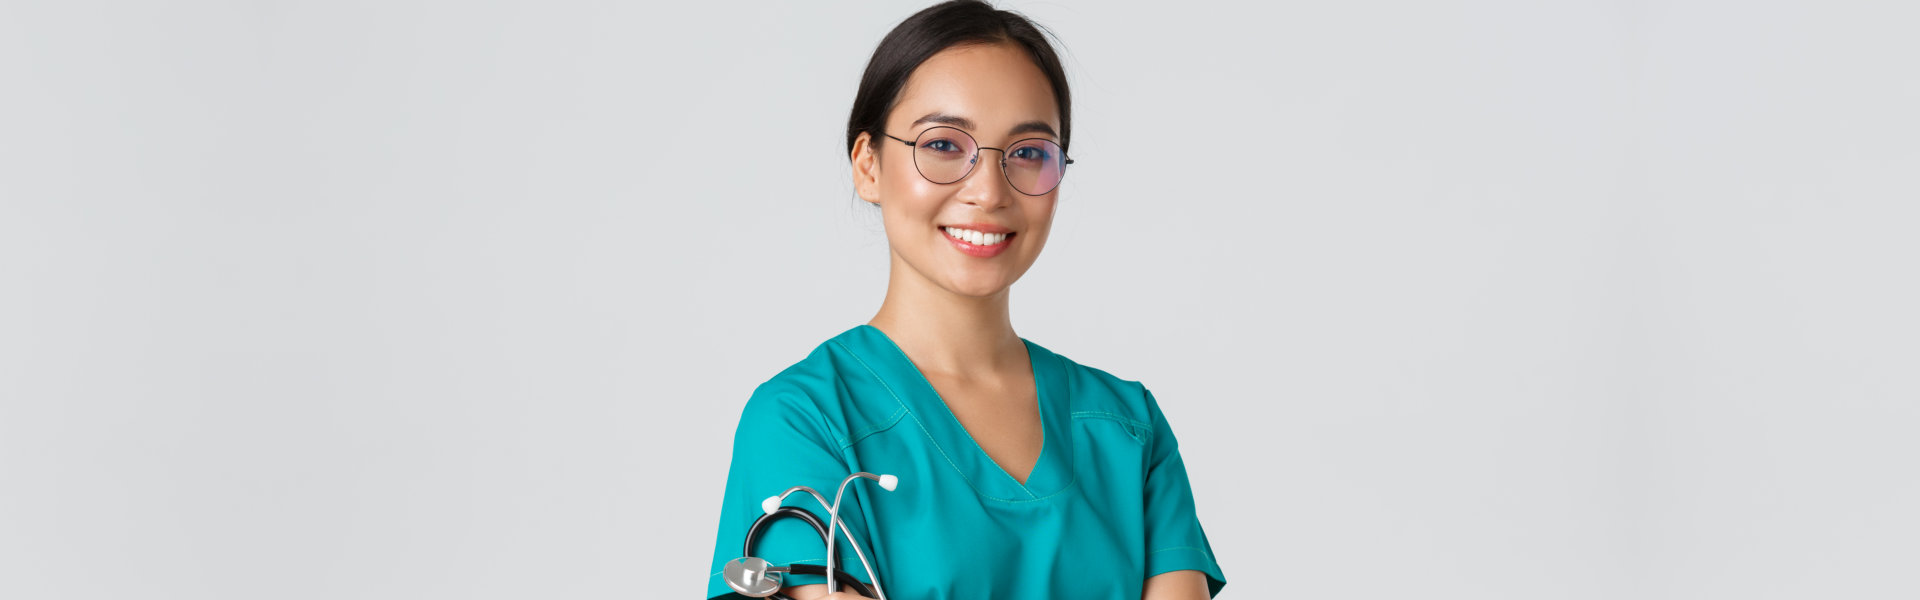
996, 86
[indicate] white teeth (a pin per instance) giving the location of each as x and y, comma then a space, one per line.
975, 237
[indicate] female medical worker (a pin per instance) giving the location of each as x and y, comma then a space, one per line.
1022, 474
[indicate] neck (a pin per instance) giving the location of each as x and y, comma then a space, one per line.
946, 333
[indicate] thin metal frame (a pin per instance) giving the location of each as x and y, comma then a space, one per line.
974, 160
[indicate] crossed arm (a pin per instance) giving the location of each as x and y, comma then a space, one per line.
1172, 585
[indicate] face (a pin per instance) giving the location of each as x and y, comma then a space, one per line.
998, 96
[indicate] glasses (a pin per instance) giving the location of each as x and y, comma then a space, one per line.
944, 155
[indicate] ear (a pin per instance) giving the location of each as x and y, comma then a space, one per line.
866, 169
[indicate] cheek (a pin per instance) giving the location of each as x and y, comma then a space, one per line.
903, 181
907, 196
907, 217
1040, 213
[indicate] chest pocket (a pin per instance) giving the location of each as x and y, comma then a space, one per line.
1139, 431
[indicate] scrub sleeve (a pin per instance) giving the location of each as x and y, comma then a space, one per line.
782, 441
1175, 540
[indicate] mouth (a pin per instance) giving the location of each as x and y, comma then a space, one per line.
979, 240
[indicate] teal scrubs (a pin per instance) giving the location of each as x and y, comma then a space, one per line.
1106, 506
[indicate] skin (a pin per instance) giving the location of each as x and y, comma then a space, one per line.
948, 311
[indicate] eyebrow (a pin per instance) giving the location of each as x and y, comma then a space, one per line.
965, 123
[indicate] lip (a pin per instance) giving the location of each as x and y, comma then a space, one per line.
976, 250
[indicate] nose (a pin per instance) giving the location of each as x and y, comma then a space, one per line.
987, 186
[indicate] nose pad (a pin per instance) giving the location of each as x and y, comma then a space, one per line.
975, 161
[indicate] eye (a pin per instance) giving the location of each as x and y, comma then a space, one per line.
1033, 153
943, 146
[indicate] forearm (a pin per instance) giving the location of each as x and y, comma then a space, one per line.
1176, 585
818, 591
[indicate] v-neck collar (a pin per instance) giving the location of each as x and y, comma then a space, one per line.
1051, 474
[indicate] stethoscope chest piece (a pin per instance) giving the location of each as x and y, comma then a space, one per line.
751, 577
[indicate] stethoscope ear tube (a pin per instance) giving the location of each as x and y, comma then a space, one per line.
760, 525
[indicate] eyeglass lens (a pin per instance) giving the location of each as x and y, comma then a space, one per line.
945, 155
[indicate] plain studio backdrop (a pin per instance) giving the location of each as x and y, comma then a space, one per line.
407, 299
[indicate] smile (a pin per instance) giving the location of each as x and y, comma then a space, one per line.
977, 243
977, 238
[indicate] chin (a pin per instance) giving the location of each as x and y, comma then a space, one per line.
977, 286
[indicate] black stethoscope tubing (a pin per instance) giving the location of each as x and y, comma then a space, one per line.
760, 525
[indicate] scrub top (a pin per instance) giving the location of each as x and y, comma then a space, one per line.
1106, 506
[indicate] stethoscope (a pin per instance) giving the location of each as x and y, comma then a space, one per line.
756, 578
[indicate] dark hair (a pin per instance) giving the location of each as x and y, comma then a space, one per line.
942, 26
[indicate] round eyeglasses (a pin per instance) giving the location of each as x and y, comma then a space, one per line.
944, 155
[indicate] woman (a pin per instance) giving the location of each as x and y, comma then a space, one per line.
1021, 474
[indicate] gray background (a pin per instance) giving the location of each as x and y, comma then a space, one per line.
408, 299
